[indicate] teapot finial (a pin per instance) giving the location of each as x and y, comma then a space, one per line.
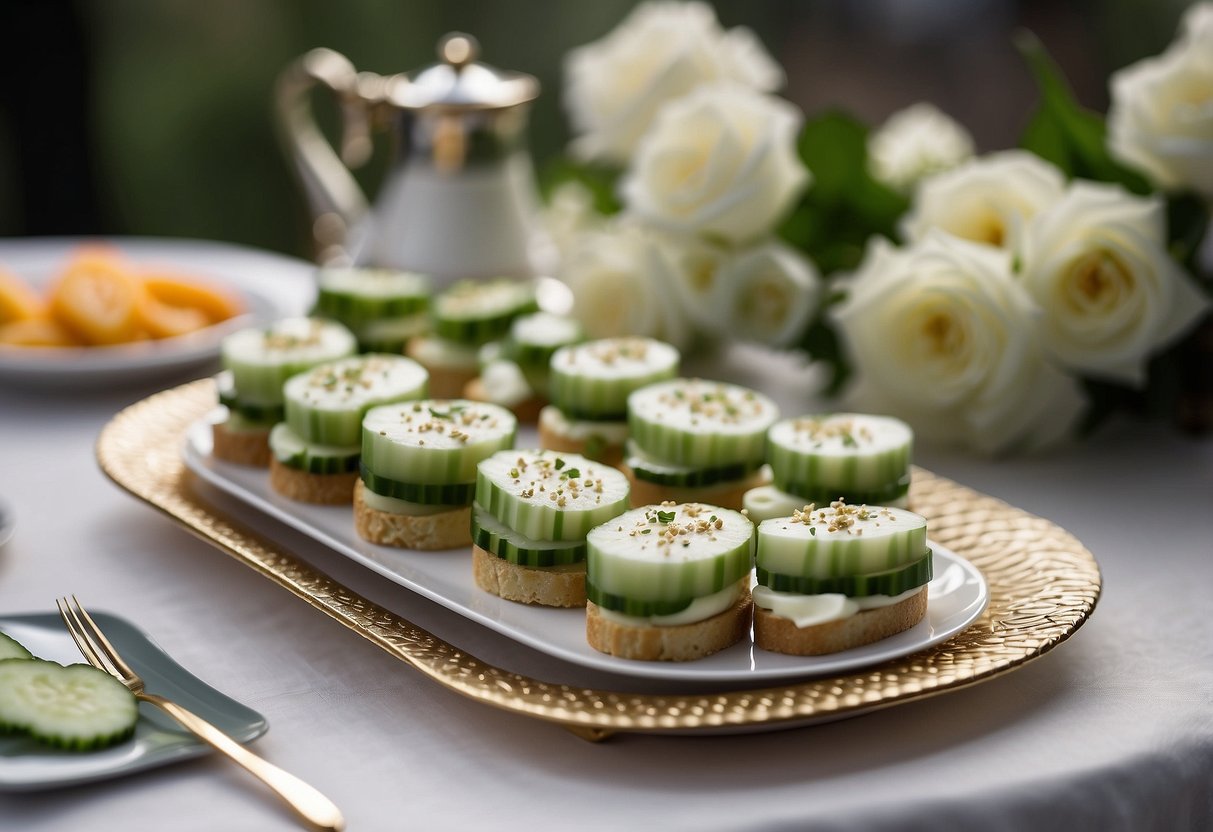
458, 50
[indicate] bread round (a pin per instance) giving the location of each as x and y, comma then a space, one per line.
323, 489
724, 494
244, 447
608, 454
527, 584
679, 643
526, 410
781, 635
447, 530
446, 380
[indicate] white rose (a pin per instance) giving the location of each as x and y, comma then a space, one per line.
720, 162
662, 51
986, 200
770, 293
621, 283
568, 213
1097, 264
943, 336
916, 142
1161, 115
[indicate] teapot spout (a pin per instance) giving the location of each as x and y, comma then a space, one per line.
334, 198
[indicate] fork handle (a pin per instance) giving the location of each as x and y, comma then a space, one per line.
307, 802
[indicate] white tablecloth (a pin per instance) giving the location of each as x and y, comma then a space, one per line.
1112, 730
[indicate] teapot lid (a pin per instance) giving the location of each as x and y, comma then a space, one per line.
459, 81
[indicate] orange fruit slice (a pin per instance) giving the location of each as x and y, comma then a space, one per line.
164, 320
98, 300
217, 304
36, 332
18, 300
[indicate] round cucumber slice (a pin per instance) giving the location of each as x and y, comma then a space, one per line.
290, 450
428, 494
549, 495
357, 296
261, 360
476, 312
668, 554
841, 540
704, 424
10, 648
681, 476
325, 404
498, 539
767, 502
890, 582
862, 458
76, 707
592, 381
389, 335
433, 441
258, 416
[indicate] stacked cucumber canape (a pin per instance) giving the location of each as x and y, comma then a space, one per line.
532, 513
257, 362
384, 308
317, 448
696, 440
515, 372
669, 582
817, 459
418, 470
838, 577
77, 707
589, 388
463, 319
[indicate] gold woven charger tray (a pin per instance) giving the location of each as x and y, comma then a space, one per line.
1043, 584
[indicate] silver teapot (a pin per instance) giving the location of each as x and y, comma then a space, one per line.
459, 200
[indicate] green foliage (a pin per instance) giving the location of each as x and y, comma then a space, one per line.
601, 180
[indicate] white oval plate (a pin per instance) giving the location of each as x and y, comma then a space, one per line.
272, 286
958, 593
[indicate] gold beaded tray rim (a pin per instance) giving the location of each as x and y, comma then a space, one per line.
1043, 585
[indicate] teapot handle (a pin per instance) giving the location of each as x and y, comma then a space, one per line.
333, 195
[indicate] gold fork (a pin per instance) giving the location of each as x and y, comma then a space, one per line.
308, 803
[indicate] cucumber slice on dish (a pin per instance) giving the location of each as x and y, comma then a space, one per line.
706, 424
890, 582
261, 360
534, 339
550, 495
325, 404
389, 335
648, 469
255, 416
592, 381
476, 312
290, 450
433, 441
10, 648
498, 539
667, 555
357, 296
841, 540
767, 502
859, 457
428, 494
76, 707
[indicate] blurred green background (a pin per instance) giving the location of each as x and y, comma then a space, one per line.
154, 118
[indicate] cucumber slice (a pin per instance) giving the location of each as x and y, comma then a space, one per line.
893, 581
257, 417
682, 476
394, 506
389, 335
667, 555
289, 449
429, 494
76, 707
325, 404
498, 539
504, 383
10, 648
891, 495
439, 353
863, 458
535, 338
476, 312
357, 296
841, 540
705, 424
549, 495
592, 381
261, 360
767, 502
433, 441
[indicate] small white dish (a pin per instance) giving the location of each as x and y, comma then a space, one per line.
271, 285
958, 594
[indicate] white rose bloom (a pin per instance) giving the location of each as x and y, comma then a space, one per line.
916, 142
694, 267
770, 293
568, 213
662, 51
720, 162
943, 336
1161, 115
621, 283
986, 200
1097, 264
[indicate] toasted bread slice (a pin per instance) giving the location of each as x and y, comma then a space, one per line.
323, 489
679, 643
597, 449
245, 447
781, 635
528, 584
526, 410
446, 530
724, 494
